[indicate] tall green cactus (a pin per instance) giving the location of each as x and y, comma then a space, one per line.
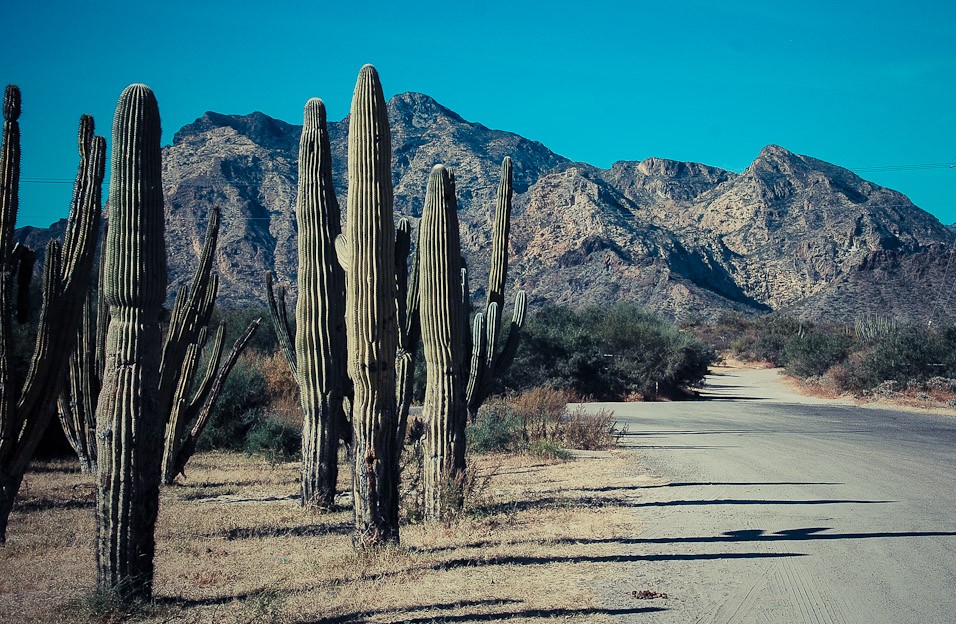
320, 351
487, 363
25, 413
129, 418
367, 252
443, 324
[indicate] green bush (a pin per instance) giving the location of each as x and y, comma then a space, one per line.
537, 421
814, 352
608, 353
912, 354
496, 428
244, 392
274, 437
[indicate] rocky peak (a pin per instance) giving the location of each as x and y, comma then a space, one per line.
258, 127
419, 110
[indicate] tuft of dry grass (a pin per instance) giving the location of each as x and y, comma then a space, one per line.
537, 541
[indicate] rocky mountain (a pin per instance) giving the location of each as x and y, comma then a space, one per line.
684, 239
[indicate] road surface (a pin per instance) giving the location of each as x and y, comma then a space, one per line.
774, 507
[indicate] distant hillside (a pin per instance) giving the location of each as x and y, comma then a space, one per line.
684, 239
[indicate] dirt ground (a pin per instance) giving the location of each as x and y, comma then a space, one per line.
539, 540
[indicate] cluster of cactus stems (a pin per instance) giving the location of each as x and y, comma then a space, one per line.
488, 363
25, 412
318, 358
387, 309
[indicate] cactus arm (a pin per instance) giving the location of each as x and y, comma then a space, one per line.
102, 316
280, 320
23, 259
178, 414
508, 352
202, 419
190, 315
479, 341
409, 335
499, 241
9, 197
77, 400
65, 288
205, 385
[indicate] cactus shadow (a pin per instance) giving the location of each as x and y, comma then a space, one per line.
307, 530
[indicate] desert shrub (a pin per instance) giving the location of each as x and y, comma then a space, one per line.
606, 353
585, 430
273, 436
538, 421
814, 352
237, 320
245, 391
282, 390
913, 354
496, 428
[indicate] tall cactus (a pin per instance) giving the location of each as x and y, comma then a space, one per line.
443, 325
487, 363
367, 252
318, 360
25, 413
129, 418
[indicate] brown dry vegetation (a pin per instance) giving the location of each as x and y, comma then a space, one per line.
234, 546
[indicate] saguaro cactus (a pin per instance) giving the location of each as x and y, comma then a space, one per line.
367, 252
443, 325
320, 351
487, 364
25, 413
129, 418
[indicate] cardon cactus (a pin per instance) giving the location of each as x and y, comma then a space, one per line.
367, 252
487, 363
443, 324
25, 413
129, 418
182, 401
320, 351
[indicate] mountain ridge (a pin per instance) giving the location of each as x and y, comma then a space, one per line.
685, 239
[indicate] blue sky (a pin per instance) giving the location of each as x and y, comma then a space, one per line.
867, 85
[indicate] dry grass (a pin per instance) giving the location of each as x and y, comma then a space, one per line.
234, 546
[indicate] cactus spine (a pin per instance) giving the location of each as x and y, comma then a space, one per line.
487, 364
24, 415
318, 360
367, 252
129, 419
442, 326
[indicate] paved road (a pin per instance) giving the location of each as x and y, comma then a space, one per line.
779, 508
